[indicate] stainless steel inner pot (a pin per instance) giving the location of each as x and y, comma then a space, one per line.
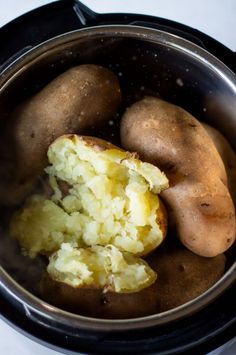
146, 61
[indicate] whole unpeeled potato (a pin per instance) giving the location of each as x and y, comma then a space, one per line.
198, 200
80, 98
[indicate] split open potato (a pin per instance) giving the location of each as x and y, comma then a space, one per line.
103, 214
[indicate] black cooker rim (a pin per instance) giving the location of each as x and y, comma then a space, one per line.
199, 333
62, 16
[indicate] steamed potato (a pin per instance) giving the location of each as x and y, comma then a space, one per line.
182, 276
96, 229
112, 198
82, 97
228, 156
198, 200
104, 267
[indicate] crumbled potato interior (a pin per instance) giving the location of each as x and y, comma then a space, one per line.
101, 216
103, 267
112, 199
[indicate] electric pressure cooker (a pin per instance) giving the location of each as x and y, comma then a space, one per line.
187, 68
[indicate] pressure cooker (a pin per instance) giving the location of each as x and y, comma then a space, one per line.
185, 67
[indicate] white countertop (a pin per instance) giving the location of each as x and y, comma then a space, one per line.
214, 17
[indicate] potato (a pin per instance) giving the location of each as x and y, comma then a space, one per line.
107, 216
112, 198
228, 156
182, 276
104, 267
82, 97
198, 200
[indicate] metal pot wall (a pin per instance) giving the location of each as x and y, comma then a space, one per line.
145, 60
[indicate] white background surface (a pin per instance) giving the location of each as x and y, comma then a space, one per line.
216, 18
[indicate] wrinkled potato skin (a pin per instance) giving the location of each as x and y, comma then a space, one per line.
198, 201
182, 276
228, 156
80, 98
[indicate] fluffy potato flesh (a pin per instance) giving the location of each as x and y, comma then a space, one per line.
111, 199
103, 213
100, 267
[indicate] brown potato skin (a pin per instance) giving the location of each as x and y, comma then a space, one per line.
227, 155
82, 97
198, 201
93, 302
182, 276
97, 144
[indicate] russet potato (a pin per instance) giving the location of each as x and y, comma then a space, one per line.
112, 198
104, 213
80, 98
198, 200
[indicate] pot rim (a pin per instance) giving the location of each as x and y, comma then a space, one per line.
136, 32
40, 311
